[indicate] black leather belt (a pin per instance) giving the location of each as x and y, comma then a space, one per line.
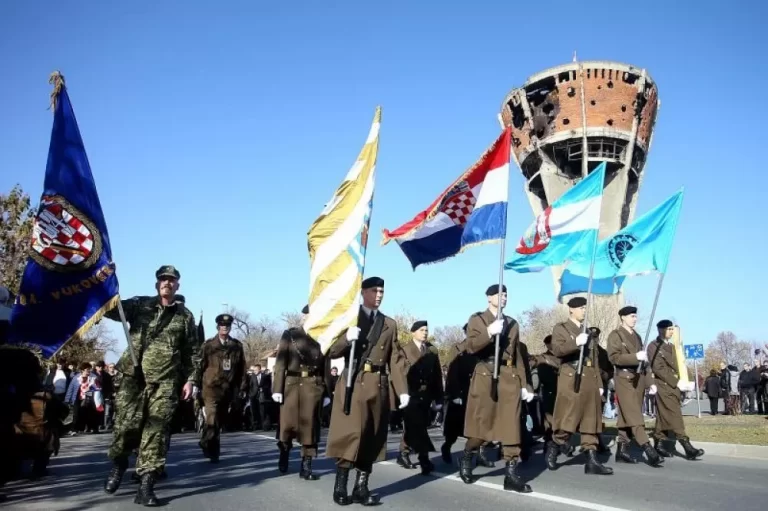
575, 364
370, 368
302, 374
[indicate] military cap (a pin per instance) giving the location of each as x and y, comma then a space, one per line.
664, 323
224, 320
576, 302
626, 311
305, 310
167, 270
417, 325
373, 282
494, 290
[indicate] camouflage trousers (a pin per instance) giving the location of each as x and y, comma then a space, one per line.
143, 420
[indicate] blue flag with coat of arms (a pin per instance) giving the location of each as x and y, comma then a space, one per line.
641, 247
69, 281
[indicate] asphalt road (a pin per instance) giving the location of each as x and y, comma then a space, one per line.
247, 478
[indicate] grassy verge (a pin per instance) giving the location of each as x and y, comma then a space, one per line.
744, 429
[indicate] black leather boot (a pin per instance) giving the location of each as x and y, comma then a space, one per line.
622, 454
465, 467
594, 467
361, 494
340, 495
146, 494
282, 462
115, 476
426, 464
551, 455
691, 452
135, 479
659, 446
654, 459
404, 460
513, 481
567, 450
445, 451
306, 469
482, 458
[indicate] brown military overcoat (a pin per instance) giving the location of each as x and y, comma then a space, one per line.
461, 366
222, 367
486, 419
583, 411
299, 375
663, 362
547, 367
425, 385
361, 436
622, 347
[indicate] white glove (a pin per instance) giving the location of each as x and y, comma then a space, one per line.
691, 386
653, 390
457, 401
436, 407
277, 397
641, 356
326, 401
581, 339
353, 333
526, 396
683, 386
404, 400
496, 327
601, 392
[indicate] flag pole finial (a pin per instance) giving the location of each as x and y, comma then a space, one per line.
57, 80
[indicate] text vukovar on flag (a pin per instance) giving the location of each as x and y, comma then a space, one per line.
471, 211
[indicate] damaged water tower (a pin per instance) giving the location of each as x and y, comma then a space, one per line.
610, 108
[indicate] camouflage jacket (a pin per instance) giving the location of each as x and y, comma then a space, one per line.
164, 339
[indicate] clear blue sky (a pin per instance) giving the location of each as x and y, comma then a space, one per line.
217, 132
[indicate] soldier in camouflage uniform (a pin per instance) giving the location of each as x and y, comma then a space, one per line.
164, 339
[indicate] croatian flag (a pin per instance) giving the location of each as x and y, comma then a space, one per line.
471, 211
565, 231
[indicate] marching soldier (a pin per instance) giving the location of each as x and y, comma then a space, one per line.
577, 411
164, 339
547, 366
625, 351
669, 415
425, 387
360, 438
299, 386
223, 368
488, 419
461, 366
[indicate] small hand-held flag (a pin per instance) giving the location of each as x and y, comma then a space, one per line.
337, 243
69, 281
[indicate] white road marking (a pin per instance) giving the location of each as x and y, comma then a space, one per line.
583, 504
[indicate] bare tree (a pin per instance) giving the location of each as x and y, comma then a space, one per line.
92, 346
447, 336
729, 349
291, 319
404, 321
16, 223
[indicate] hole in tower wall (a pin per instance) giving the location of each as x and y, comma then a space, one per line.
566, 121
593, 102
564, 76
518, 116
623, 108
571, 92
610, 85
610, 122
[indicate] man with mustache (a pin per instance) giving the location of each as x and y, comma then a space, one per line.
164, 339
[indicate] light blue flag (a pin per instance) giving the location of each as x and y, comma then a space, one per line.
565, 231
641, 247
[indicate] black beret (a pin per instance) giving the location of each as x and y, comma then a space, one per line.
626, 311
167, 270
576, 302
465, 327
373, 282
417, 325
494, 290
664, 323
224, 319
305, 310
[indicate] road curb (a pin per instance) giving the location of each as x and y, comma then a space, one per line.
754, 452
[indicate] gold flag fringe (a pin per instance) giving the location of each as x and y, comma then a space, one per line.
95, 318
57, 80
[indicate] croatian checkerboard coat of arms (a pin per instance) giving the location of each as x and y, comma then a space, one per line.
63, 238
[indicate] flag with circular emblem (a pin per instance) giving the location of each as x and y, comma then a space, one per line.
337, 243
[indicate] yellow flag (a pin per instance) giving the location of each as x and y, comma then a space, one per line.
677, 342
337, 244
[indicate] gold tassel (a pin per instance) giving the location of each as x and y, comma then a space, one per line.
57, 80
